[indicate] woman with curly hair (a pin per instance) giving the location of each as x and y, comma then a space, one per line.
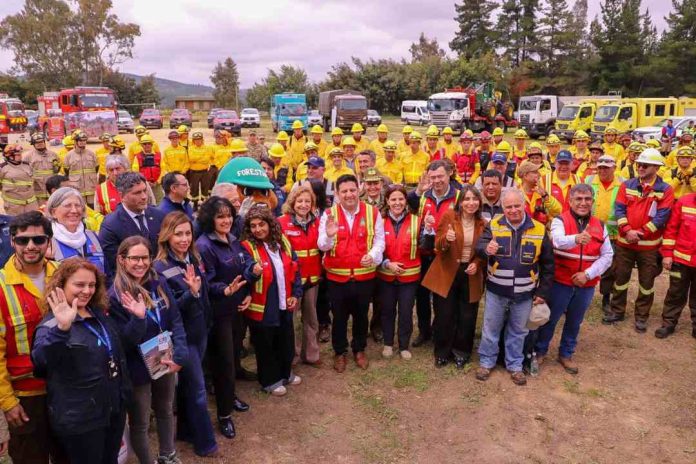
78, 350
275, 286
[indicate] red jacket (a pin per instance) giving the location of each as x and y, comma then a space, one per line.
580, 257
402, 248
305, 245
152, 172
678, 241
645, 208
342, 262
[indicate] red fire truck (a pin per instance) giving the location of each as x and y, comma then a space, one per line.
90, 109
13, 120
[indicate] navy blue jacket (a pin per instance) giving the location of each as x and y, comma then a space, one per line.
5, 246
118, 226
81, 394
135, 331
195, 312
223, 262
167, 206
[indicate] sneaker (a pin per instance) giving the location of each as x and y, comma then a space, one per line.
387, 352
518, 378
295, 380
170, 459
406, 355
279, 391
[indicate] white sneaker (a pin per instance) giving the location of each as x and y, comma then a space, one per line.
387, 352
296, 380
279, 391
405, 354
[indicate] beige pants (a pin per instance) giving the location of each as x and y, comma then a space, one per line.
307, 346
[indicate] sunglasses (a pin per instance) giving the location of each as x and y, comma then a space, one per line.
23, 240
643, 165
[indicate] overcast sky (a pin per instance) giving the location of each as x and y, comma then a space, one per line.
183, 39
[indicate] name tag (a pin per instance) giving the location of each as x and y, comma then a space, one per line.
292, 233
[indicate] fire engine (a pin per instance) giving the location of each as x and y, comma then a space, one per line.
93, 110
13, 120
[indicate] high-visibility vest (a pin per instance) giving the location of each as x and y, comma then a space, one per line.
580, 257
259, 291
556, 191
342, 262
305, 246
108, 197
402, 248
427, 205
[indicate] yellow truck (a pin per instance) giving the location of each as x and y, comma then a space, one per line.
578, 116
629, 114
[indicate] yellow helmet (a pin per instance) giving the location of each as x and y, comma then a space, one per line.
521, 134
276, 150
432, 131
117, 142
503, 147
653, 143
297, 124
382, 128
534, 147
611, 131
197, 135
68, 142
553, 140
415, 136
686, 151
498, 132
636, 147
238, 146
282, 136
407, 130
147, 138
349, 141
581, 135
336, 131
309, 146
389, 145
357, 127
448, 131
182, 129
139, 130
316, 129
336, 151
105, 137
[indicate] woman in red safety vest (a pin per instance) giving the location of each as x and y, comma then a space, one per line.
301, 228
275, 287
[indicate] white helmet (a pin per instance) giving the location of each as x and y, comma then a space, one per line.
651, 156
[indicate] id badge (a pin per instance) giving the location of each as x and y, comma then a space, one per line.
162, 342
528, 253
504, 246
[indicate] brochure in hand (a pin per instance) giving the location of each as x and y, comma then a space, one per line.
154, 351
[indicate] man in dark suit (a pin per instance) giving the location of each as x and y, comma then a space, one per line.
132, 217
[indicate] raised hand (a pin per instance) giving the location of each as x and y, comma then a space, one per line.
450, 235
62, 311
423, 183
492, 247
135, 307
331, 226
429, 221
192, 280
235, 285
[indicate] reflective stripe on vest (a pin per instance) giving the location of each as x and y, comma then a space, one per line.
255, 254
17, 315
105, 201
369, 224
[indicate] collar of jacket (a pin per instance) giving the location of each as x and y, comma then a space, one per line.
526, 223
450, 194
214, 238
14, 276
304, 226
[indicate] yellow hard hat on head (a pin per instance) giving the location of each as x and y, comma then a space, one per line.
282, 136
415, 136
382, 128
309, 146
503, 147
581, 135
197, 136
432, 131
407, 130
140, 130
553, 140
521, 134
534, 147
146, 138
182, 129
238, 146
653, 143
448, 131
316, 129
389, 145
336, 131
117, 142
297, 124
498, 131
636, 147
349, 141
68, 141
276, 150
357, 127
611, 131
336, 151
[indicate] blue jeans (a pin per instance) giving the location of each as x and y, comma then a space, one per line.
515, 330
573, 301
193, 420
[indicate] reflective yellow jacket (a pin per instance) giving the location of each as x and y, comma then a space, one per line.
175, 159
200, 158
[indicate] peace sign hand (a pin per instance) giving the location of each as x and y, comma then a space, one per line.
135, 307
192, 280
62, 311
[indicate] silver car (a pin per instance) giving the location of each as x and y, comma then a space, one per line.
313, 118
125, 122
250, 117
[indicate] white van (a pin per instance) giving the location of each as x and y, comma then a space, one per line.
415, 112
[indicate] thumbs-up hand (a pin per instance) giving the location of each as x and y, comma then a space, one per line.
492, 247
331, 226
450, 235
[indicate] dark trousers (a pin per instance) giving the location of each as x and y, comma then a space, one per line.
193, 420
221, 354
275, 350
454, 326
682, 287
198, 182
323, 304
348, 299
606, 283
100, 446
34, 442
648, 269
396, 297
423, 306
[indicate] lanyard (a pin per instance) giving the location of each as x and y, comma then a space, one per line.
155, 314
102, 336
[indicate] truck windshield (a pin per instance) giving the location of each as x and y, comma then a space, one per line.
568, 112
293, 109
606, 113
14, 108
353, 104
447, 104
95, 100
528, 104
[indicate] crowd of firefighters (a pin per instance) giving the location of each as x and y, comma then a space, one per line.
430, 217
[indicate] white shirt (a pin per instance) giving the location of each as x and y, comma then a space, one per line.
279, 275
133, 216
566, 242
326, 243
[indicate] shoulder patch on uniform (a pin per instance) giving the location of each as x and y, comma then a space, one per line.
51, 323
171, 272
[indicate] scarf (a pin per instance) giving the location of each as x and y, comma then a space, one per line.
75, 240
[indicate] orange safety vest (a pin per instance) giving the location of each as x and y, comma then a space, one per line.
108, 197
305, 246
342, 263
402, 248
580, 257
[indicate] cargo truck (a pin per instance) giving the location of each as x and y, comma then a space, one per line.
630, 113
342, 108
578, 116
286, 108
538, 114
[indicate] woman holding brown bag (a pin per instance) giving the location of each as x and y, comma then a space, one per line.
456, 279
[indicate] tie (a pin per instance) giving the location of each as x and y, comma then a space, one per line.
141, 223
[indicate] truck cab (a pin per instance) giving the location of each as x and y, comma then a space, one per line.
90, 109
631, 113
449, 109
13, 120
575, 117
286, 108
537, 114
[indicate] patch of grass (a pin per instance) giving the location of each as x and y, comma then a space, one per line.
571, 386
596, 393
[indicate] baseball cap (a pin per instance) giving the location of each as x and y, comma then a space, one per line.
316, 162
606, 160
499, 158
564, 155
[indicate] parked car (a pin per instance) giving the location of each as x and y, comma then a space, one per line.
211, 116
180, 116
151, 118
655, 132
251, 117
373, 118
32, 120
125, 122
229, 121
313, 117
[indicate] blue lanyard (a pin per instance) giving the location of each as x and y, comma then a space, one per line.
155, 314
103, 337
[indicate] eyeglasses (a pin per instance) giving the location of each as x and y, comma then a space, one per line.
137, 259
23, 240
182, 184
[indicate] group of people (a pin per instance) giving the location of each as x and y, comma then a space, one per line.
135, 295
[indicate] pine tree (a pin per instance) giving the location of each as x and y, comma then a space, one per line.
475, 36
677, 51
509, 30
225, 78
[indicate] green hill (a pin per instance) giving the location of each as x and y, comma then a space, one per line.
169, 89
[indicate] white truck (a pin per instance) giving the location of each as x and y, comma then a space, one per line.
537, 113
